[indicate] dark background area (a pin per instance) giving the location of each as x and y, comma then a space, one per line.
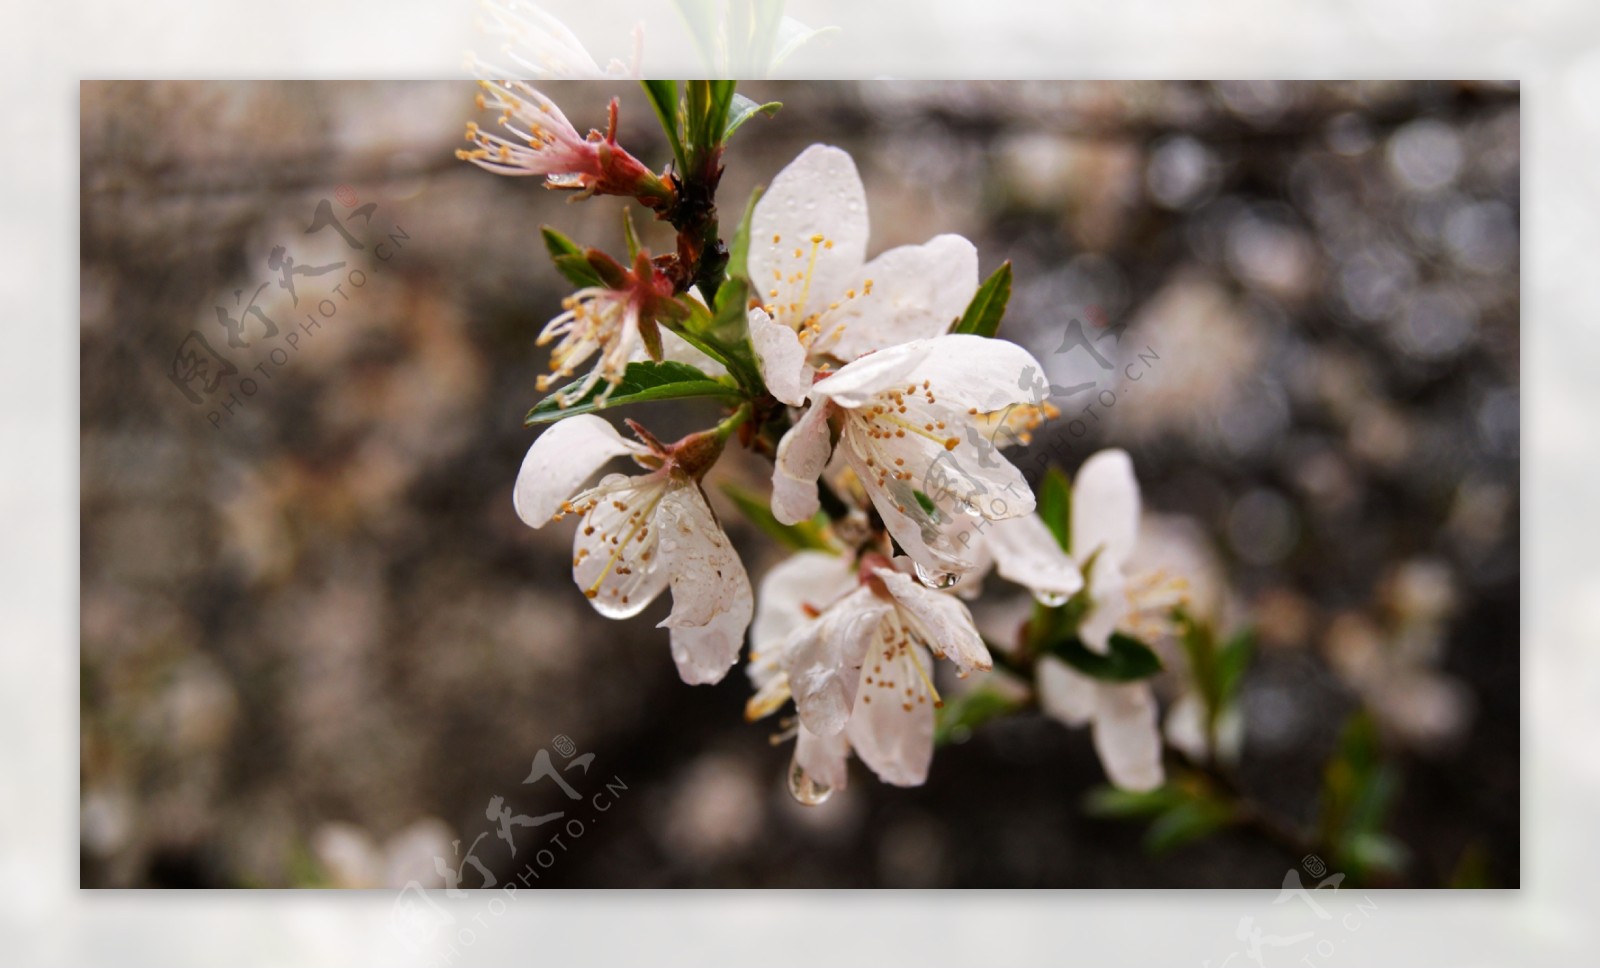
316, 640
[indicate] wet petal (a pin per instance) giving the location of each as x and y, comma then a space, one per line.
825, 759
825, 668
858, 382
819, 194
1126, 736
802, 454
968, 371
615, 555
711, 598
1025, 552
795, 592
892, 729
781, 358
561, 460
917, 293
940, 619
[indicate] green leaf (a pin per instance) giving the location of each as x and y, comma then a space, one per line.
701, 17
988, 304
569, 258
641, 382
664, 99
743, 109
1358, 789
1055, 506
793, 35
1189, 821
956, 720
798, 537
739, 248
1106, 801
1232, 661
1125, 660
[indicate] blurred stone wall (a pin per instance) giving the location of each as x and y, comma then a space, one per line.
316, 641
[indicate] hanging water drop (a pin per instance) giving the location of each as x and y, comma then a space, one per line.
936, 580
1052, 599
805, 788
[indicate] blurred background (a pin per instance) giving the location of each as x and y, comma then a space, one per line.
317, 642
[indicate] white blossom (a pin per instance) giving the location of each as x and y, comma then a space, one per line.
908, 425
822, 303
1123, 716
638, 535
854, 647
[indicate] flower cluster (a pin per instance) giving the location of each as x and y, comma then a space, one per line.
879, 391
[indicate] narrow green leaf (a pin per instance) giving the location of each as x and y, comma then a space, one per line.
739, 248
641, 382
716, 122
1232, 661
1189, 821
1055, 506
799, 537
701, 17
764, 32
743, 109
1106, 801
1125, 660
988, 304
569, 258
664, 99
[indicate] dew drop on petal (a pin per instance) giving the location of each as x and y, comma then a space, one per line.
1051, 599
805, 788
935, 579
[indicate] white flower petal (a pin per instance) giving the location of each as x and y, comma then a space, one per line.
1104, 613
940, 619
825, 667
824, 759
892, 727
711, 599
802, 454
969, 371
1185, 729
561, 460
939, 529
818, 194
615, 555
781, 359
1025, 552
856, 383
917, 293
797, 590
1064, 693
1126, 735
1105, 512
676, 348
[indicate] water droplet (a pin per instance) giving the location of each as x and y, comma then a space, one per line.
805, 788
936, 580
1051, 599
